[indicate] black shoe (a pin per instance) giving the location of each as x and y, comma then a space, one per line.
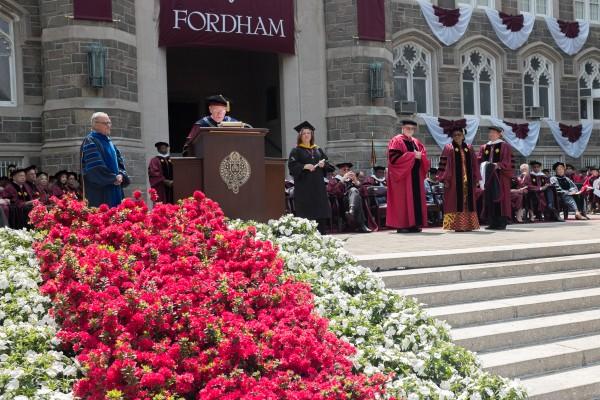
495, 228
364, 229
415, 229
403, 230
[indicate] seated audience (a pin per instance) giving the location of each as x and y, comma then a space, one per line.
587, 189
541, 197
433, 196
59, 188
346, 187
518, 191
43, 188
20, 200
566, 189
378, 177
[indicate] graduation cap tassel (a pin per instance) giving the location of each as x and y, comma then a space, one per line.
373, 155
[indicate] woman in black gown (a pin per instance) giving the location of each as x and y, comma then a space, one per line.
307, 164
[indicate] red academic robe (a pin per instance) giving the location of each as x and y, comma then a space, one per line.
400, 200
158, 168
501, 154
451, 169
58, 191
18, 209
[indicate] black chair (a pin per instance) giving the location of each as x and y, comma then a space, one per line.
377, 207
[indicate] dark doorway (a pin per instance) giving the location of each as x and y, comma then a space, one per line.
181, 117
249, 79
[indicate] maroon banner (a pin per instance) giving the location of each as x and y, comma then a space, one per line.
371, 19
262, 25
96, 10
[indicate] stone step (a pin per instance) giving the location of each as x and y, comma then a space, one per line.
576, 384
504, 335
540, 359
461, 315
464, 273
501, 288
440, 258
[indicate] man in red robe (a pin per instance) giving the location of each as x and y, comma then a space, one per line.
407, 169
160, 173
495, 158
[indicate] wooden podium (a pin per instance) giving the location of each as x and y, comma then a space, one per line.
229, 166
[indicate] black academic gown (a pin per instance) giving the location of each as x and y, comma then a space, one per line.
310, 195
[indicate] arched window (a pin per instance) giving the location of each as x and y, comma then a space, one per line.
538, 84
7, 63
412, 76
589, 90
478, 83
537, 7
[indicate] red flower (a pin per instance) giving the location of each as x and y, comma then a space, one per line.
171, 302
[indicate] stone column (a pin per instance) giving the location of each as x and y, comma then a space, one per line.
351, 113
303, 79
69, 100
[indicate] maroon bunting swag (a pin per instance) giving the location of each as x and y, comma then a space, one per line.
572, 133
441, 129
520, 130
447, 17
96, 10
570, 36
572, 139
448, 25
513, 23
512, 30
371, 19
448, 125
522, 137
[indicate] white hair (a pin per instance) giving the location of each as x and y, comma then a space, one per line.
96, 115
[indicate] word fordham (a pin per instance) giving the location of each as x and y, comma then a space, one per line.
227, 23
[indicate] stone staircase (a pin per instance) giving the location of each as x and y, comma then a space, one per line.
530, 311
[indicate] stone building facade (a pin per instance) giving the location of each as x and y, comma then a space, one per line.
352, 116
46, 102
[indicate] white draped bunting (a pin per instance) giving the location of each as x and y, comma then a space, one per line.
573, 149
524, 146
441, 138
447, 34
512, 40
568, 45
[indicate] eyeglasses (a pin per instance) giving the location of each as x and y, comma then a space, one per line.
104, 123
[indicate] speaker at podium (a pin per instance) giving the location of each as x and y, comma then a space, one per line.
228, 164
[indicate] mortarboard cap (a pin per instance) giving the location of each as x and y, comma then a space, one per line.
496, 128
218, 99
61, 172
158, 144
408, 122
534, 162
556, 165
433, 170
570, 166
344, 164
303, 125
379, 168
31, 167
16, 171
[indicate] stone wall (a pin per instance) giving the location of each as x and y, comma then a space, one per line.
20, 130
66, 70
348, 76
57, 13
